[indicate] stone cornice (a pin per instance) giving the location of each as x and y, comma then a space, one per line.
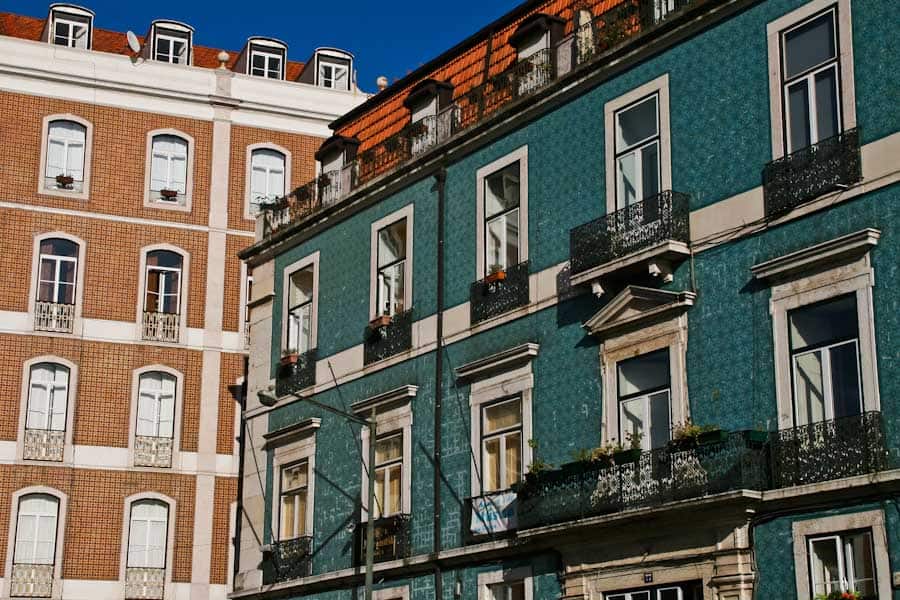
827, 253
501, 361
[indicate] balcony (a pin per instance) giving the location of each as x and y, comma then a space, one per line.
804, 175
646, 236
292, 559
160, 327
43, 444
432, 130
53, 316
152, 451
336, 184
499, 293
144, 583
392, 538
387, 340
828, 450
583, 489
298, 375
31, 581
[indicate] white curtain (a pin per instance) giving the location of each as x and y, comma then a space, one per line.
65, 149
36, 530
169, 164
156, 405
47, 397
147, 534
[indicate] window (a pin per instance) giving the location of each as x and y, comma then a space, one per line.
265, 64
513, 584
644, 399
501, 444
65, 156
163, 282
156, 405
391, 268
300, 310
267, 180
171, 49
824, 340
507, 591
501, 214
842, 563
637, 152
36, 529
333, 76
147, 534
57, 271
388, 475
294, 497
73, 34
48, 397
168, 168
811, 81
690, 591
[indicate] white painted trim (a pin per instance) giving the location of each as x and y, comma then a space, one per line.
407, 213
801, 530
243, 317
312, 259
248, 172
505, 576
393, 413
85, 192
60, 536
176, 422
813, 257
659, 86
78, 324
301, 447
184, 291
501, 361
71, 396
774, 30
189, 178
520, 155
170, 536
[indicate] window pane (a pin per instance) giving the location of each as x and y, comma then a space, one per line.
501, 190
859, 556
300, 328
380, 501
388, 449
491, 468
295, 477
301, 287
809, 388
825, 572
392, 504
392, 243
390, 289
826, 104
513, 459
633, 419
669, 594
502, 416
824, 323
636, 124
59, 247
659, 420
287, 517
627, 183
164, 258
809, 45
798, 115
300, 512
645, 372
512, 238
845, 379
496, 244
650, 170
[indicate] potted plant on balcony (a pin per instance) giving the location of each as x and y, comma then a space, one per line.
838, 595
536, 468
289, 357
495, 274
684, 436
377, 327
757, 437
631, 453
168, 194
712, 434
324, 180
64, 181
418, 129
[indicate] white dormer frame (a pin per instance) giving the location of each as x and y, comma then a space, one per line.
335, 57
267, 47
69, 13
163, 28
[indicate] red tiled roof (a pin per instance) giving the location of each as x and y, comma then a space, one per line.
114, 42
384, 116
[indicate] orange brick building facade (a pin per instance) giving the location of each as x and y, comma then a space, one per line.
129, 187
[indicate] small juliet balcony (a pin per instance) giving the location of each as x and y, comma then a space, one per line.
387, 336
647, 237
145, 583
152, 451
334, 185
499, 293
802, 176
44, 444
292, 559
53, 316
31, 581
160, 327
392, 538
297, 372
432, 130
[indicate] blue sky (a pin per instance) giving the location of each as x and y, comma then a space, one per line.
388, 38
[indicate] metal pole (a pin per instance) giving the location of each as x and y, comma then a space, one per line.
370, 524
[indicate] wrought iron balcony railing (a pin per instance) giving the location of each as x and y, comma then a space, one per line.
152, 451
53, 316
161, 327
298, 375
292, 559
145, 583
387, 340
31, 581
493, 92
499, 293
808, 173
392, 538
636, 227
43, 444
828, 450
656, 477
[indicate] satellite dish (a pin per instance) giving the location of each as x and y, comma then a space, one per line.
133, 42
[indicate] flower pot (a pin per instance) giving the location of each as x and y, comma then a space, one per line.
168, 194
64, 180
290, 359
682, 444
380, 321
713, 436
624, 457
496, 276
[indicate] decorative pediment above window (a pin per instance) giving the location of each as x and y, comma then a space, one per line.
386, 400
822, 256
637, 307
292, 433
505, 360
535, 26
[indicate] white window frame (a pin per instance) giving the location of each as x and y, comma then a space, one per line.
645, 397
268, 55
176, 423
392, 593
487, 579
298, 445
35, 275
171, 533
334, 66
519, 155
803, 530
407, 212
313, 260
502, 435
84, 194
660, 88
281, 494
847, 101
184, 292
183, 203
248, 174
63, 499
636, 149
71, 23
173, 59
68, 449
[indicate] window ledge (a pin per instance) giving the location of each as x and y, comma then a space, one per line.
669, 251
285, 435
634, 305
818, 256
501, 361
402, 393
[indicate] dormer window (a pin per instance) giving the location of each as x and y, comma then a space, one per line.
332, 76
266, 64
266, 58
333, 69
430, 120
534, 41
70, 26
336, 159
171, 42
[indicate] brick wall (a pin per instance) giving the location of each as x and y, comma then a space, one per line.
226, 492
232, 369
232, 302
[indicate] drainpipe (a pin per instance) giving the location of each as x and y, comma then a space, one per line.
239, 509
440, 180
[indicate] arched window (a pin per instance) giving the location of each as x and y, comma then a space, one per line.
168, 168
45, 413
163, 282
156, 405
36, 530
147, 534
65, 156
267, 168
57, 271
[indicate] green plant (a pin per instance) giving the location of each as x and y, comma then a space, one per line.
838, 595
600, 454
686, 431
634, 439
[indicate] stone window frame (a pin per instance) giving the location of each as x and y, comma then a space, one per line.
393, 413
310, 259
170, 534
873, 520
291, 446
69, 447
248, 172
176, 421
827, 270
774, 29
78, 324
505, 576
660, 88
58, 554
184, 292
189, 174
519, 155
496, 377
391, 593
407, 213
85, 192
